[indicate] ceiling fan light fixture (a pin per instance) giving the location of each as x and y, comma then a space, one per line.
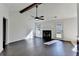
36, 18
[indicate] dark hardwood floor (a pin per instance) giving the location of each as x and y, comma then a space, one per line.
77, 48
35, 47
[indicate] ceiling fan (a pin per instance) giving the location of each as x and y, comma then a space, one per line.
32, 6
36, 17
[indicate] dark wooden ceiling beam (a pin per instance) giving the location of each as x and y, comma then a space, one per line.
29, 7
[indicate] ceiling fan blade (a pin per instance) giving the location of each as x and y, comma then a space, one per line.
29, 7
41, 19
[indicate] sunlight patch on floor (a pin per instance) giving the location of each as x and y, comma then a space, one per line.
30, 35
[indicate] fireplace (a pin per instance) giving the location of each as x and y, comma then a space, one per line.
46, 35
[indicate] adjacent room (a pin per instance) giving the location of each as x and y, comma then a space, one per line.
38, 29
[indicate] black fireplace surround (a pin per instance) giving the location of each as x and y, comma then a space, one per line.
46, 35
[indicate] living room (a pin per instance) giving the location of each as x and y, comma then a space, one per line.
53, 27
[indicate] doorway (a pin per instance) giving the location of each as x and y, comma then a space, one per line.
59, 29
4, 32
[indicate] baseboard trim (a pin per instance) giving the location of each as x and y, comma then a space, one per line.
15, 41
68, 42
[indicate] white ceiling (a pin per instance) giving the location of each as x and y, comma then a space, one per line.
49, 10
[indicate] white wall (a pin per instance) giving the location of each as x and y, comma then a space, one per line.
20, 26
78, 17
70, 29
3, 12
